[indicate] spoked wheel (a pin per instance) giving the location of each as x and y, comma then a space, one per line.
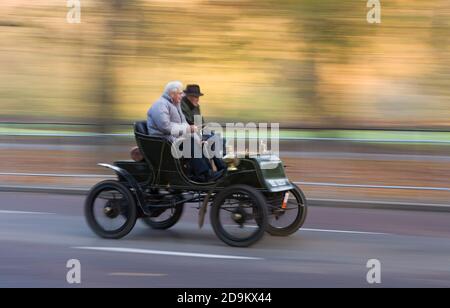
239, 216
110, 210
287, 212
164, 219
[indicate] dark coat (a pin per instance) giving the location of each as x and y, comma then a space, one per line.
189, 111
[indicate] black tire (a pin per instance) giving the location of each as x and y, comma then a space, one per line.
125, 208
299, 219
258, 212
175, 216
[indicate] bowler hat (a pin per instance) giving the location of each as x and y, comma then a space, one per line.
193, 90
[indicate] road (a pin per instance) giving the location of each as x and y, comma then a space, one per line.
39, 233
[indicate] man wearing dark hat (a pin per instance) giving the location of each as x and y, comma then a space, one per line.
190, 104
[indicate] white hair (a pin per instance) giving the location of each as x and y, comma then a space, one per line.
173, 86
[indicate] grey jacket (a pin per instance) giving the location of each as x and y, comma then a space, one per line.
165, 119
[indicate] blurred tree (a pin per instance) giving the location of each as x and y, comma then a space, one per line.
329, 30
122, 30
106, 72
440, 42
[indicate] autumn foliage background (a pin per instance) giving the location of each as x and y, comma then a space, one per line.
297, 62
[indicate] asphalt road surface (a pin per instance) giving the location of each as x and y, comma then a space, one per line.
39, 233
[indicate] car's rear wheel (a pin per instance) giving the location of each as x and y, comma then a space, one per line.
239, 216
287, 212
164, 218
110, 210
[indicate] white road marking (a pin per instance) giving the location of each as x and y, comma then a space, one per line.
137, 274
55, 175
381, 202
366, 156
323, 230
166, 253
27, 213
342, 231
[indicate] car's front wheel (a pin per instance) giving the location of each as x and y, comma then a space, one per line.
287, 212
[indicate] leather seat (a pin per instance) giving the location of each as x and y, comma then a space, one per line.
141, 127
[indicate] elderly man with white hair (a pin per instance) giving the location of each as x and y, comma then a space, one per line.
166, 119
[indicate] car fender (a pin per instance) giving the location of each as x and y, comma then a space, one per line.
125, 175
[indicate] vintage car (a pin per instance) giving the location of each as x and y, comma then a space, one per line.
253, 196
